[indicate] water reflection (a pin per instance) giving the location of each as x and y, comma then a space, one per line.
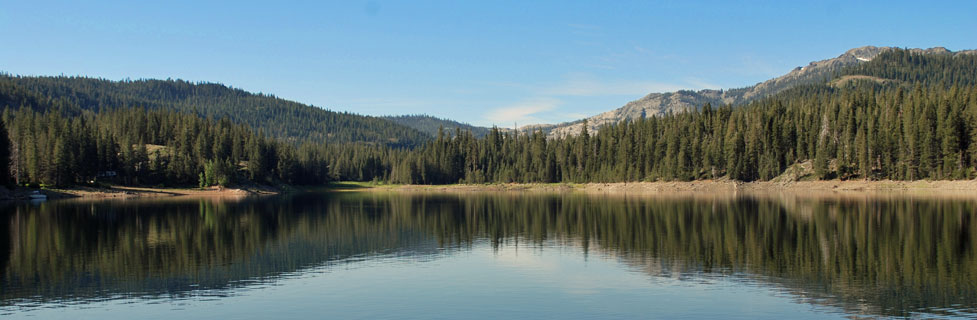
883, 256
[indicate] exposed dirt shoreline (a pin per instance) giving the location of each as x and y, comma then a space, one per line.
117, 192
966, 188
958, 188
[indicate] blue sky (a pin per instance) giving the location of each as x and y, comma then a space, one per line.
482, 62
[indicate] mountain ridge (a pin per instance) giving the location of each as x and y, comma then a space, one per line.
659, 104
430, 124
286, 119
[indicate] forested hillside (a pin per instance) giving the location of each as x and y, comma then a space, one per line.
903, 116
158, 147
430, 125
279, 118
919, 124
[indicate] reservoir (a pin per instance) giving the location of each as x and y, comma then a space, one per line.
369, 255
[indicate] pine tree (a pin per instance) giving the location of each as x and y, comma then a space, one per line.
4, 155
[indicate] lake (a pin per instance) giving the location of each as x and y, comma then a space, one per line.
490, 255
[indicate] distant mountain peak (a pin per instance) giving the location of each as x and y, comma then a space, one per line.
658, 104
865, 53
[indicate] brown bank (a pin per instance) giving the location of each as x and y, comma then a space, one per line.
965, 188
117, 192
955, 188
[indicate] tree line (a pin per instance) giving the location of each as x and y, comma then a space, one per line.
848, 133
277, 118
151, 147
910, 117
915, 117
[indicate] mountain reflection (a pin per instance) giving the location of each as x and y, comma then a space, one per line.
887, 256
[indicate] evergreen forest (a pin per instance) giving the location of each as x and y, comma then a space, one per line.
901, 116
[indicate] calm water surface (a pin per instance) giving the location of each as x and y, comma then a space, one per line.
369, 255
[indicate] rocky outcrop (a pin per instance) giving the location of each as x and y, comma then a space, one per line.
658, 104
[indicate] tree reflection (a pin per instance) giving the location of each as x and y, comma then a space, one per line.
889, 256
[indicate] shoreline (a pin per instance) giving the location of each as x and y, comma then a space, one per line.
967, 188
964, 188
122, 192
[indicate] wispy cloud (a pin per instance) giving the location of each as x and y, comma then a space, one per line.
585, 86
582, 29
524, 112
575, 115
696, 83
753, 65
562, 101
642, 50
